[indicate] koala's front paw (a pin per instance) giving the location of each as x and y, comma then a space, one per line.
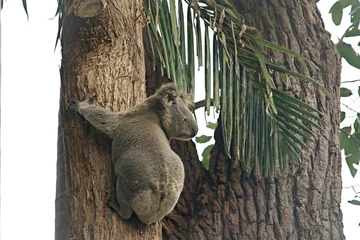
73, 104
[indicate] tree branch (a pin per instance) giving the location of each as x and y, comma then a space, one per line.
348, 107
201, 103
357, 80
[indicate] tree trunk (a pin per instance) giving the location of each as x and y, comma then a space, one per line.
102, 55
304, 203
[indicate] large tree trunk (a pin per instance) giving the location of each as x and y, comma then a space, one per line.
103, 56
304, 203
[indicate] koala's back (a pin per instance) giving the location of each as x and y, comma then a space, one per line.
153, 175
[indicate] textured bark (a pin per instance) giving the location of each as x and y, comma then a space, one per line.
304, 203
101, 56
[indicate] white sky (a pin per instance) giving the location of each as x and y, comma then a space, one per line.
29, 98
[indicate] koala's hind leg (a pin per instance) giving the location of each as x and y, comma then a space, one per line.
101, 118
119, 205
123, 210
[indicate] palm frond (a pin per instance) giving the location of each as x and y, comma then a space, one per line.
60, 14
25, 8
262, 126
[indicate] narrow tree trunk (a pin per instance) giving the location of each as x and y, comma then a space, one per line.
227, 203
102, 55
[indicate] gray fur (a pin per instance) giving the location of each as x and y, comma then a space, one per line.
150, 176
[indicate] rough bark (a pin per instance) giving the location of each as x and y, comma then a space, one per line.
101, 56
304, 203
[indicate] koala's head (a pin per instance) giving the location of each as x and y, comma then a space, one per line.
175, 116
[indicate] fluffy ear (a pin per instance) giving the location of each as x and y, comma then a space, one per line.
168, 98
167, 92
188, 99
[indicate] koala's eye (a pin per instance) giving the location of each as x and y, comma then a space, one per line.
171, 97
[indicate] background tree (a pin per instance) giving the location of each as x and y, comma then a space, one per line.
103, 55
349, 139
350, 131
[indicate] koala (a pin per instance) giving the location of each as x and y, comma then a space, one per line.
149, 175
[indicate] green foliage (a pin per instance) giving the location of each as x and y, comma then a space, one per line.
206, 156
346, 51
344, 92
349, 135
336, 13
352, 153
350, 143
25, 7
355, 202
252, 111
211, 125
204, 139
342, 116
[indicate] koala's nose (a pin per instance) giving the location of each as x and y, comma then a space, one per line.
195, 129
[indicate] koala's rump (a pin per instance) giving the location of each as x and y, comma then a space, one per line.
150, 170
151, 173
151, 188
150, 205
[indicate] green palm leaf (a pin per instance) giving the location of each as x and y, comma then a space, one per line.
261, 126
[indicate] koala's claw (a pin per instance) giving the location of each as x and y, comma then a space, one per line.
113, 204
92, 99
73, 104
